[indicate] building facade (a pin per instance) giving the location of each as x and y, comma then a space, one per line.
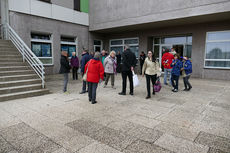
199, 29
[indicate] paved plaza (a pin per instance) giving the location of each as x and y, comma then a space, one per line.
183, 122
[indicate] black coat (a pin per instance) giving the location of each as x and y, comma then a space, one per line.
128, 60
65, 67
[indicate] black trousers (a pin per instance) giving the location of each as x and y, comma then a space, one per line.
153, 78
84, 84
92, 88
74, 72
141, 66
126, 74
186, 82
175, 81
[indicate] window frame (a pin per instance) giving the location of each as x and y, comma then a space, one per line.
123, 43
218, 60
46, 1
47, 42
75, 43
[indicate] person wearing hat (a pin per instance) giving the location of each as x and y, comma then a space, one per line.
95, 73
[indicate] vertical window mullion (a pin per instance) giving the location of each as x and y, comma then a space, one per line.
77, 5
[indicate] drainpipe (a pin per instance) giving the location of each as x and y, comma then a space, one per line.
4, 18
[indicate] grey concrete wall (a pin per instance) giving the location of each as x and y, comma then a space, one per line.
25, 24
64, 3
198, 32
105, 14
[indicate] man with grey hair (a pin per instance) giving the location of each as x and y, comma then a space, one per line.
128, 63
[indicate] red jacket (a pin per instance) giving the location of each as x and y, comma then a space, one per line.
167, 60
95, 71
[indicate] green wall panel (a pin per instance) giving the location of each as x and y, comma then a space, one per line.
84, 6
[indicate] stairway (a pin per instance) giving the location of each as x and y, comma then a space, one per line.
17, 78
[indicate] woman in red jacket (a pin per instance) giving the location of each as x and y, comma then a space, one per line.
95, 73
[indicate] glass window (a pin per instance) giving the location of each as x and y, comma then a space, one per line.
219, 35
116, 42
131, 41
157, 41
218, 53
173, 40
135, 50
97, 42
116, 49
40, 36
188, 51
156, 51
41, 49
69, 49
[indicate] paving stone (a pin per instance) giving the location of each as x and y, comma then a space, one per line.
62, 150
76, 142
17, 132
172, 100
122, 125
5, 147
213, 141
177, 131
180, 118
180, 145
113, 138
143, 120
145, 134
222, 105
140, 146
6, 119
48, 146
98, 148
85, 126
212, 150
33, 142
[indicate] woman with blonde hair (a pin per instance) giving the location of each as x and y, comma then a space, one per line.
151, 69
110, 65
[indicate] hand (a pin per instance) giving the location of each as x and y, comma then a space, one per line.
182, 69
143, 75
131, 68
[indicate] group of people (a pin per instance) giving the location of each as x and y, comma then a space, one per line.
174, 66
101, 66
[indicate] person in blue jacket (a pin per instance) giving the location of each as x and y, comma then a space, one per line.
186, 73
85, 58
176, 68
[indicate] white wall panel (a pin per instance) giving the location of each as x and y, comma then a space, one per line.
52, 11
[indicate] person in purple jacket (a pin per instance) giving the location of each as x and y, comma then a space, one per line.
74, 62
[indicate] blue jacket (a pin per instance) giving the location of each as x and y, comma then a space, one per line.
85, 58
176, 67
188, 67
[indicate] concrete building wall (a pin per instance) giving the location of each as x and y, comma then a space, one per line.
105, 14
64, 3
25, 24
198, 32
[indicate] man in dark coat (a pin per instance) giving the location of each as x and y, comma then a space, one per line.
118, 62
128, 63
65, 69
84, 60
142, 60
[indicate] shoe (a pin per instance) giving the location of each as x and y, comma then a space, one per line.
121, 93
185, 89
131, 93
104, 86
66, 92
82, 92
90, 100
175, 90
113, 87
147, 97
94, 102
86, 91
189, 88
153, 93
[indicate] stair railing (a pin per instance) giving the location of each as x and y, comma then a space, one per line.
26, 53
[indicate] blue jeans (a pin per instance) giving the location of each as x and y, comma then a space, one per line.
175, 81
166, 73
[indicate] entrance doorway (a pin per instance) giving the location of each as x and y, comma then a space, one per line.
181, 44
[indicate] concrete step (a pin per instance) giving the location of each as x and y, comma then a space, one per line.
18, 77
14, 89
19, 83
10, 53
2, 48
12, 68
16, 72
10, 56
2, 64
23, 94
2, 60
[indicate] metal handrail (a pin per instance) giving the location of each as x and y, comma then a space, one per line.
26, 53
